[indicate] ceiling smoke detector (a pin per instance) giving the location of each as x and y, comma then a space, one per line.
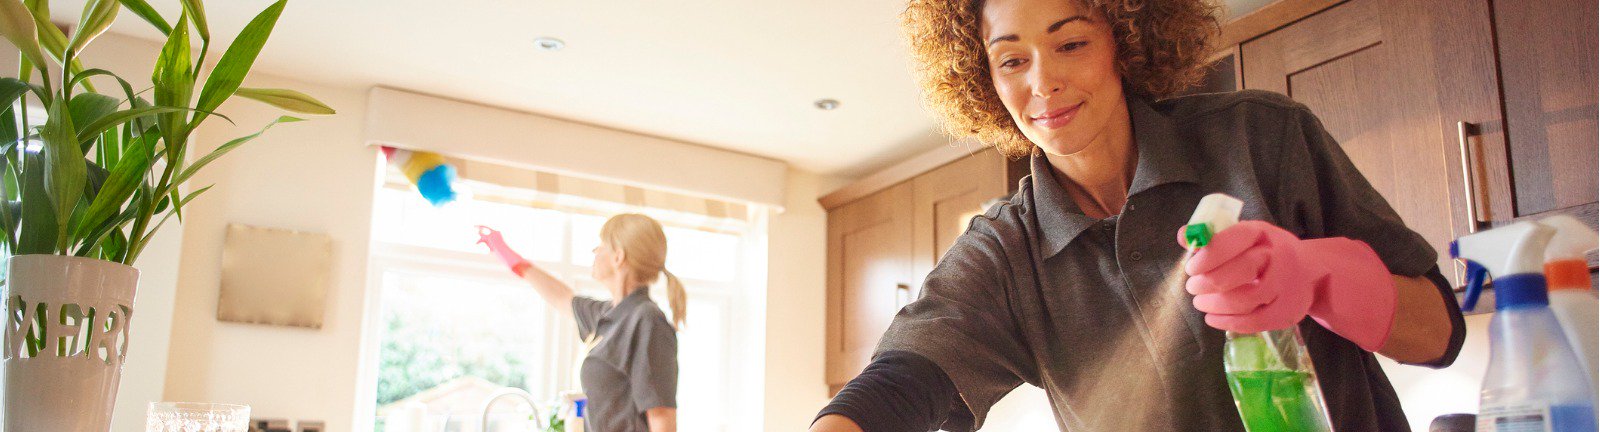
549, 43
826, 104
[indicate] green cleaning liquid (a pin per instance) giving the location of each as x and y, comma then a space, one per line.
1276, 400
1273, 384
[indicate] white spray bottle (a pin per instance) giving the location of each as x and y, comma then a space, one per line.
1572, 300
1534, 381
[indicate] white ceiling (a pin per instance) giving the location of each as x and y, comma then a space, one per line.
738, 75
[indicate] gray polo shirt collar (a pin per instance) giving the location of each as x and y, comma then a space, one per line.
632, 300
1162, 160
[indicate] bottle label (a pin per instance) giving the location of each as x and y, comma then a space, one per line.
1517, 417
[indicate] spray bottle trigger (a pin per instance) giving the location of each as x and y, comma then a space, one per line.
1474, 285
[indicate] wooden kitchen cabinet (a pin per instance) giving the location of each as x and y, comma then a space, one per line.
1363, 68
945, 199
1547, 78
882, 244
869, 272
1411, 87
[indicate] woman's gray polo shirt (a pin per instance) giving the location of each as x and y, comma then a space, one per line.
1092, 311
632, 364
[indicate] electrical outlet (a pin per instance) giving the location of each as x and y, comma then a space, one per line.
270, 425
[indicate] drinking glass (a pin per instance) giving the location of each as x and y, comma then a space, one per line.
196, 417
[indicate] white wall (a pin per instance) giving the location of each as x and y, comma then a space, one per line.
313, 176
143, 374
1427, 393
796, 305
317, 176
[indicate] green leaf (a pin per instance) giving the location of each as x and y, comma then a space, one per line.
224, 149
116, 245
110, 148
64, 160
8, 215
143, 10
38, 232
10, 90
180, 203
109, 121
287, 99
53, 40
127, 89
197, 11
177, 208
95, 178
173, 83
97, 17
89, 108
143, 123
237, 60
119, 186
50, 37
8, 130
16, 21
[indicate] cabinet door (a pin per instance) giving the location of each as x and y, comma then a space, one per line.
869, 276
945, 199
1547, 73
1365, 68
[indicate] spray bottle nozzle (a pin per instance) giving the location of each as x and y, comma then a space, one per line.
1197, 235
1216, 212
1512, 255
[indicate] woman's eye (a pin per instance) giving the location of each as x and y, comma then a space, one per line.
1072, 46
1010, 63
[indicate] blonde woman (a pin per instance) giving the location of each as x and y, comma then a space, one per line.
631, 372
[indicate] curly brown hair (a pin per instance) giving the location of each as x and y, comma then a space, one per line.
1162, 49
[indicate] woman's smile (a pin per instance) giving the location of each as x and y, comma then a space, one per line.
1056, 118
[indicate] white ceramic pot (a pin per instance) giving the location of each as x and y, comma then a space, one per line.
66, 382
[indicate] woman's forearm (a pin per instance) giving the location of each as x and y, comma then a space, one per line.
554, 292
1421, 329
662, 419
835, 423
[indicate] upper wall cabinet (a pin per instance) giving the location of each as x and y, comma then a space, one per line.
1463, 114
883, 242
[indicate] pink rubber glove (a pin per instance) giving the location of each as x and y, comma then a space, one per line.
1254, 277
497, 245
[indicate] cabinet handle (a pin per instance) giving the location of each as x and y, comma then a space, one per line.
1463, 130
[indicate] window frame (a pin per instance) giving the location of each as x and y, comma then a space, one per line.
744, 351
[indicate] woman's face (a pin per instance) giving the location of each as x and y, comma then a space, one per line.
607, 262
1054, 66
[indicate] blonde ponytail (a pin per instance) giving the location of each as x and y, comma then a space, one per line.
676, 298
644, 253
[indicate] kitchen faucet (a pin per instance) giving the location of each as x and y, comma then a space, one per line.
484, 425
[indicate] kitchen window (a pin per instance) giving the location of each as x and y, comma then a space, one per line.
448, 324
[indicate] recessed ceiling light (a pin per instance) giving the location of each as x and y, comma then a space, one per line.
826, 104
549, 43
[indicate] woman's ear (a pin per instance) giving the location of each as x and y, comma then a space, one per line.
619, 257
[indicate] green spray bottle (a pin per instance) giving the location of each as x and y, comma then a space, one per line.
1270, 375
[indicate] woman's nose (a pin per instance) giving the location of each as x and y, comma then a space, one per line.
1045, 84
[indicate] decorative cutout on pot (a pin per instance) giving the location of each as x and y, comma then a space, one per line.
32, 330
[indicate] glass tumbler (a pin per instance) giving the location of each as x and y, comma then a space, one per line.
196, 417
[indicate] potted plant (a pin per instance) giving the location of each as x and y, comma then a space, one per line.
84, 191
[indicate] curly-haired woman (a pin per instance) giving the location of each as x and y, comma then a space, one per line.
1069, 285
